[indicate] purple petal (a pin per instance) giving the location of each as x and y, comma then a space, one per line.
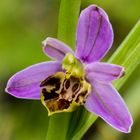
94, 34
26, 83
106, 102
55, 48
103, 71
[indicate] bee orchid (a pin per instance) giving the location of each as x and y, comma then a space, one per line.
77, 78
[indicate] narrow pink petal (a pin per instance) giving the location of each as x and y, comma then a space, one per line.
94, 35
104, 71
55, 48
26, 83
106, 102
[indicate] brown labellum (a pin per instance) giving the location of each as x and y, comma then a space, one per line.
60, 93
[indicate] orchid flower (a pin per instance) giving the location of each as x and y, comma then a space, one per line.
74, 79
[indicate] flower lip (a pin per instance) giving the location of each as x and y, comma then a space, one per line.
62, 93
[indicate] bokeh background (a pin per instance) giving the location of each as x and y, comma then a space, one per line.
24, 24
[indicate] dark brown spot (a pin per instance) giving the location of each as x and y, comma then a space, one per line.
77, 99
67, 84
74, 79
44, 90
63, 104
50, 81
83, 93
75, 87
54, 105
63, 91
57, 86
73, 96
49, 95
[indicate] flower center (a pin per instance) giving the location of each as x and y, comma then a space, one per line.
62, 94
64, 91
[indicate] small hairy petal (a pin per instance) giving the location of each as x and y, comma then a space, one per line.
94, 35
106, 102
26, 83
103, 71
55, 48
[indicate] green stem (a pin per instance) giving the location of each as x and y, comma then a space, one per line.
68, 16
128, 56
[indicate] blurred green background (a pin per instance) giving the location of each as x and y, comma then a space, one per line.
24, 24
